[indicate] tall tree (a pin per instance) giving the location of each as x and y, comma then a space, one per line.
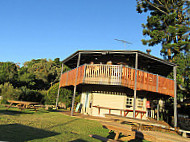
40, 73
183, 74
167, 24
8, 72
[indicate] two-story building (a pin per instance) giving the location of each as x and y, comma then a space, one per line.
127, 83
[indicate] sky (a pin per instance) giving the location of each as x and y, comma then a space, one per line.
33, 29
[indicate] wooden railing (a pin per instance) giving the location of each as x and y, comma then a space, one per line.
118, 75
103, 74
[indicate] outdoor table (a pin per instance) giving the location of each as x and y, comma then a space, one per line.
23, 104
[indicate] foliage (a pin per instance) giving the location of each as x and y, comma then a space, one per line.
183, 73
8, 72
65, 95
30, 82
167, 24
40, 73
31, 95
23, 94
8, 92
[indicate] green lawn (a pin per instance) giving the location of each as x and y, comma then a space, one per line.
46, 126
27, 125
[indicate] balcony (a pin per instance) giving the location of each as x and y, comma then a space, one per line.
118, 75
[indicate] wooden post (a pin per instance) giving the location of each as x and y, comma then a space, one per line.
57, 99
157, 83
158, 113
135, 86
75, 87
84, 74
175, 98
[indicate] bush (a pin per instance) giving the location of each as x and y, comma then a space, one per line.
8, 92
65, 95
32, 95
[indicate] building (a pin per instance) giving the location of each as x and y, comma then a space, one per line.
127, 83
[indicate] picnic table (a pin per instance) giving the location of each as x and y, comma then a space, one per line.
23, 104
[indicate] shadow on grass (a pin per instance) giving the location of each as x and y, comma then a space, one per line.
139, 137
62, 124
21, 133
78, 140
14, 112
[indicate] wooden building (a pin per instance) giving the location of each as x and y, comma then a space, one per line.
127, 83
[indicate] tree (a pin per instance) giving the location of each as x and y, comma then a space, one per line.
8, 72
167, 24
183, 74
9, 92
40, 73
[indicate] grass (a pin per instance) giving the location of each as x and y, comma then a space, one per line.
27, 125
46, 126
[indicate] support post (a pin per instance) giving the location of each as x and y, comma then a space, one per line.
158, 111
57, 99
75, 86
157, 83
135, 86
175, 98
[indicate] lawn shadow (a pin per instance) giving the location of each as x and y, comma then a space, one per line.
139, 137
78, 140
62, 124
14, 112
111, 135
21, 133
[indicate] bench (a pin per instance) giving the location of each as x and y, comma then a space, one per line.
118, 128
126, 111
144, 125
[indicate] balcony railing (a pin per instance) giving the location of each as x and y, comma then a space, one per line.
118, 75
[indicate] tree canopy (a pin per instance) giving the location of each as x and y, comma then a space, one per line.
8, 72
40, 73
31, 81
167, 24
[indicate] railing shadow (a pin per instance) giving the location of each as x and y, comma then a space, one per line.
21, 133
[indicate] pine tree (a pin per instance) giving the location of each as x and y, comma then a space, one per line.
167, 24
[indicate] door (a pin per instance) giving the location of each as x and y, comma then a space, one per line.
86, 102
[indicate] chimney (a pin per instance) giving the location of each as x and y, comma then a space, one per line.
148, 51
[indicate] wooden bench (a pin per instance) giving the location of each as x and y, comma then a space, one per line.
143, 125
126, 111
147, 135
118, 128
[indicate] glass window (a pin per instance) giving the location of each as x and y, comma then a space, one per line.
129, 102
140, 102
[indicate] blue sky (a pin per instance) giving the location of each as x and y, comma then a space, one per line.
32, 29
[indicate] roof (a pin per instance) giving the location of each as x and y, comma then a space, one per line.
145, 61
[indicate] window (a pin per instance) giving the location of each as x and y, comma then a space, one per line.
140, 102
129, 102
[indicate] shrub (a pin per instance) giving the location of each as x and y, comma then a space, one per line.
31, 95
65, 95
8, 92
